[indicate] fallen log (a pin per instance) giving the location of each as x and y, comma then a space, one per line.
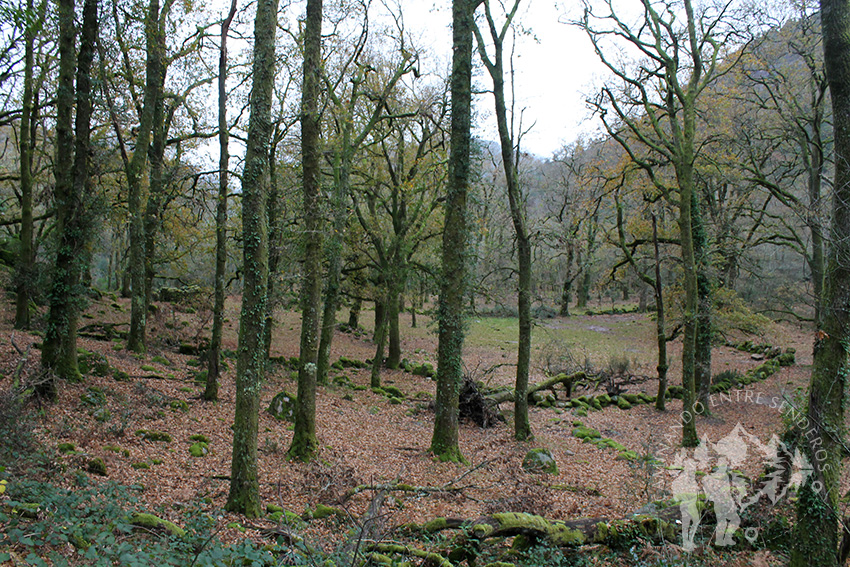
567, 380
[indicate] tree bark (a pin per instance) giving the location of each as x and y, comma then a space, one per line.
244, 496
816, 540
59, 354
135, 170
444, 442
495, 67
702, 353
214, 353
24, 276
304, 442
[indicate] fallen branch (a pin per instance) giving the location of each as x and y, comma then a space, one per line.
429, 558
564, 379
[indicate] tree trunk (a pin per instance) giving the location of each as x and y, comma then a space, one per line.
135, 170
444, 442
567, 292
702, 354
24, 276
334, 279
394, 309
156, 179
59, 354
660, 324
214, 353
304, 442
495, 67
244, 496
354, 313
818, 513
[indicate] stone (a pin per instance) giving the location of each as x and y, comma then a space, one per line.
540, 460
282, 406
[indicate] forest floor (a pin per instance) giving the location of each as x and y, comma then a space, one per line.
366, 440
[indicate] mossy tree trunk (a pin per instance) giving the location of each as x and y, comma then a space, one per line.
453, 284
26, 259
304, 442
214, 354
660, 322
59, 354
816, 540
244, 496
135, 173
702, 353
510, 163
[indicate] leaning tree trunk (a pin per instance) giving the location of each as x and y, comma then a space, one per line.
244, 496
444, 442
304, 442
59, 354
818, 512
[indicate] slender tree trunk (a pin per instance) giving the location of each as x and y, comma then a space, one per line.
275, 235
660, 324
380, 344
335, 242
813, 219
135, 170
304, 442
495, 67
567, 291
24, 276
214, 355
59, 354
816, 533
702, 354
244, 496
444, 442
394, 309
684, 174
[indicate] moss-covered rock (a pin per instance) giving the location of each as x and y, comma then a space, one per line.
151, 522
97, 466
540, 460
586, 433
321, 512
66, 448
282, 406
199, 449
623, 403
93, 396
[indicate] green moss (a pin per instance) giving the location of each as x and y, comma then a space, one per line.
179, 405
623, 403
112, 448
151, 522
586, 433
93, 396
200, 438
393, 392
97, 466
148, 368
156, 436
540, 460
321, 512
274, 508
161, 360
199, 449
141, 466
435, 525
101, 415
120, 376
65, 448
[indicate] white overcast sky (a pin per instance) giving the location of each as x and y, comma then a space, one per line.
555, 70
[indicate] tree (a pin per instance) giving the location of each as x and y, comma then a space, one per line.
244, 497
135, 168
214, 352
510, 164
26, 260
655, 121
59, 354
351, 134
444, 442
816, 540
304, 441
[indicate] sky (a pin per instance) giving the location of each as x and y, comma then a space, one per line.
556, 69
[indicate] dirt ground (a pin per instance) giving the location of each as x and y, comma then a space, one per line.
366, 440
